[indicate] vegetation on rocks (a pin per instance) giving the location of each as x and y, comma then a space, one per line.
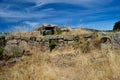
116, 26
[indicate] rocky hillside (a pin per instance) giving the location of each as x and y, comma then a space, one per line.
74, 54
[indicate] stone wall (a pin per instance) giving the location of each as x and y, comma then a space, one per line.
17, 46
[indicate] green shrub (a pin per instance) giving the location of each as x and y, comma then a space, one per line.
52, 44
58, 31
1, 50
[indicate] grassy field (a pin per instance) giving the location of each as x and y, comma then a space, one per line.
95, 65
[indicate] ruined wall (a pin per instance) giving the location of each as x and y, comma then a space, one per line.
46, 43
49, 42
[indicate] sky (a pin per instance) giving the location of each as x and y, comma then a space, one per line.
25, 15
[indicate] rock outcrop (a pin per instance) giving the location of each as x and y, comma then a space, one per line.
116, 40
13, 51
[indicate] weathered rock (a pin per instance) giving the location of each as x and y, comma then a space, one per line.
61, 44
102, 34
97, 60
66, 64
2, 63
68, 37
13, 50
10, 61
33, 38
48, 37
116, 40
33, 43
70, 42
67, 56
26, 53
9, 38
106, 39
38, 39
10, 42
87, 35
17, 37
24, 45
25, 38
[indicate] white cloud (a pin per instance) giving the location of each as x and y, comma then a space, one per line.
85, 3
51, 12
32, 24
27, 26
18, 28
20, 14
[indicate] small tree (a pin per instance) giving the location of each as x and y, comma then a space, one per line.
116, 26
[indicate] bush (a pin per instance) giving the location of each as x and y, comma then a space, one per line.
116, 26
1, 51
52, 44
58, 31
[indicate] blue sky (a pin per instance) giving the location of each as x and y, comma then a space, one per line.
28, 14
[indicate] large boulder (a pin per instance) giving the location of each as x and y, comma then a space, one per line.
116, 40
68, 37
12, 42
13, 51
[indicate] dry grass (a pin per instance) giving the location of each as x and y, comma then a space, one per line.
28, 34
95, 65
92, 66
77, 31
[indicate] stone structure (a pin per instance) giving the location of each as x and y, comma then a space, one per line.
50, 29
47, 29
13, 45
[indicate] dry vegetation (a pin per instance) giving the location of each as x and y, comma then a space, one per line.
77, 31
96, 64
